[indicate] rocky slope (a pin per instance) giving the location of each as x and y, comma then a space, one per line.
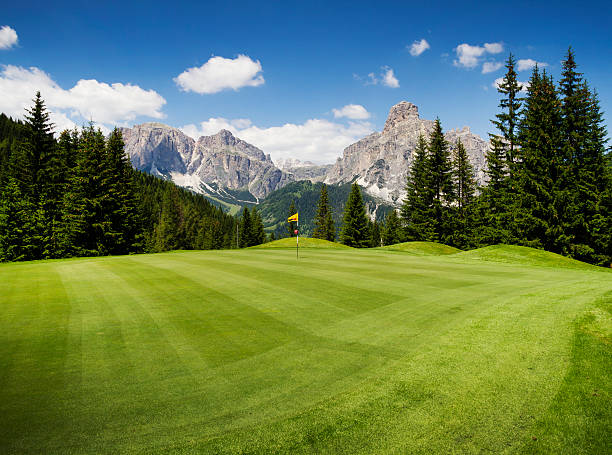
380, 161
211, 165
304, 170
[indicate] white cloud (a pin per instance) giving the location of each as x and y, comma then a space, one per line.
386, 77
111, 104
389, 78
418, 47
352, 111
494, 48
528, 63
469, 56
489, 67
316, 140
8, 37
219, 74
524, 85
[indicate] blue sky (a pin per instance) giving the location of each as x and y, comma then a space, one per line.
300, 61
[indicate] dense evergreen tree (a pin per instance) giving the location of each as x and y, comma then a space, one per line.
539, 196
324, 223
355, 228
246, 229
441, 184
171, 219
416, 209
375, 234
465, 189
392, 230
258, 235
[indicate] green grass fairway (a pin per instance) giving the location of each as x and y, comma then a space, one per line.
305, 242
345, 351
422, 248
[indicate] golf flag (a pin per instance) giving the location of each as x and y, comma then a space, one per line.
292, 218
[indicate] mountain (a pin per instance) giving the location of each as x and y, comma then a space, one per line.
304, 170
223, 167
274, 208
380, 161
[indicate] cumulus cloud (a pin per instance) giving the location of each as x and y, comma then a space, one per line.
8, 37
352, 111
112, 104
528, 63
219, 74
386, 77
489, 67
316, 140
418, 47
469, 56
389, 78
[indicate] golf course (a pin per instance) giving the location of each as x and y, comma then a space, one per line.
417, 348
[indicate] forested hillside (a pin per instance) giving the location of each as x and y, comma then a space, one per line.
78, 195
305, 196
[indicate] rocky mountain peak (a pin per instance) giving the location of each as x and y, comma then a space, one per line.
399, 113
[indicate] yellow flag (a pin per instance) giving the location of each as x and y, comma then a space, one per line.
292, 218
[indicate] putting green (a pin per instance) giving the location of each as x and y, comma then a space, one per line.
344, 351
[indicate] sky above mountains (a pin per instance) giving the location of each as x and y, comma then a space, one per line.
297, 79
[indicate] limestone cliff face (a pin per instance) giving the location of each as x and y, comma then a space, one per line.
380, 162
208, 165
304, 170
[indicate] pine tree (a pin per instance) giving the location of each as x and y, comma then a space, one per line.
246, 229
416, 209
538, 197
18, 225
392, 230
375, 235
355, 229
465, 188
324, 223
441, 181
258, 235
291, 226
509, 117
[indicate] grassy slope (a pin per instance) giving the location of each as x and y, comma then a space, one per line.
422, 248
345, 351
305, 242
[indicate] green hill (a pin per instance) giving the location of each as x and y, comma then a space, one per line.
274, 208
523, 255
305, 242
346, 351
422, 248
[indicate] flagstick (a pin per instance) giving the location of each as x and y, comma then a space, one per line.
297, 240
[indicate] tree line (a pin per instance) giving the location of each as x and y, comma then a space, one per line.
548, 178
78, 195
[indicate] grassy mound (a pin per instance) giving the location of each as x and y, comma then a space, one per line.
423, 248
515, 254
305, 242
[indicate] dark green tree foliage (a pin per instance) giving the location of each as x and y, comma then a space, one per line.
355, 228
258, 235
585, 178
324, 223
375, 235
291, 226
392, 230
465, 189
538, 176
79, 196
246, 229
510, 103
416, 209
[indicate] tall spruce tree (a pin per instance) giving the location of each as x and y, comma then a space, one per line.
246, 229
416, 207
324, 223
355, 228
537, 174
170, 222
258, 234
392, 230
441, 181
465, 188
